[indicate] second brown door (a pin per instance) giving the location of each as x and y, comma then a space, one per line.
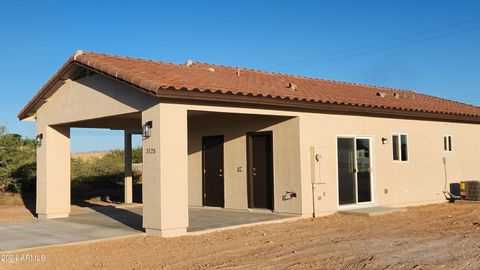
260, 170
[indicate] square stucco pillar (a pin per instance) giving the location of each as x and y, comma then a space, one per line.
128, 191
165, 187
53, 172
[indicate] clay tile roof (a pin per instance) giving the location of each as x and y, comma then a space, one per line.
158, 77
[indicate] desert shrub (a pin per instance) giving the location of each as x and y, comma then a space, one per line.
98, 172
99, 177
137, 155
17, 162
18, 167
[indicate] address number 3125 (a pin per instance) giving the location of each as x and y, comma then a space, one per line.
150, 151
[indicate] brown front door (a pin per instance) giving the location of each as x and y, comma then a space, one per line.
213, 186
260, 170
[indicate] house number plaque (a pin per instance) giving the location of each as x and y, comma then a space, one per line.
150, 151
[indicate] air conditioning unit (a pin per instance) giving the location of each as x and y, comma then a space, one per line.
470, 190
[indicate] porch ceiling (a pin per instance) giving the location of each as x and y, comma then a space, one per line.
130, 121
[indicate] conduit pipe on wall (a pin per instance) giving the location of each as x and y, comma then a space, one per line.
315, 158
448, 195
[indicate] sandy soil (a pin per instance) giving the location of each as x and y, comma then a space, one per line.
89, 155
14, 210
442, 236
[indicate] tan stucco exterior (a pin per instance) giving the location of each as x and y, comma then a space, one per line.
420, 180
172, 173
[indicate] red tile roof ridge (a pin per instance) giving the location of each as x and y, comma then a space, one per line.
254, 70
450, 100
302, 77
129, 58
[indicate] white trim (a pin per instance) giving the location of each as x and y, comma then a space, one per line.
357, 204
448, 145
400, 161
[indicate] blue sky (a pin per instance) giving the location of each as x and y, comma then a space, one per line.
427, 46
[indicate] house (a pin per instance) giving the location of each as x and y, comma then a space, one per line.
237, 138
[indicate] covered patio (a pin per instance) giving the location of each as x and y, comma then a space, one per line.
110, 222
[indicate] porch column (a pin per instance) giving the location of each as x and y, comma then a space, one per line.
165, 190
128, 198
53, 171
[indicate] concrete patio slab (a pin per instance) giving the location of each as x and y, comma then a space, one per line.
110, 222
206, 219
373, 211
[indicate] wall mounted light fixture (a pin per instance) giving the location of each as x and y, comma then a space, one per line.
147, 130
384, 140
38, 140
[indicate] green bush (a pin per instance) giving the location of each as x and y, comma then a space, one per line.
17, 162
137, 155
99, 177
89, 177
98, 172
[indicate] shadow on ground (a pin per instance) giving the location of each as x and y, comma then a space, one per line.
99, 198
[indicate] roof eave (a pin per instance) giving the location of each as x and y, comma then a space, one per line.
28, 109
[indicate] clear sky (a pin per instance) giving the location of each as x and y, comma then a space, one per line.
427, 46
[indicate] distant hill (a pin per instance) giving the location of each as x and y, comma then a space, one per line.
89, 155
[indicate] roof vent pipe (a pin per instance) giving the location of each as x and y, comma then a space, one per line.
77, 53
189, 63
292, 86
381, 94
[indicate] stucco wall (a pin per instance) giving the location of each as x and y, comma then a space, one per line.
418, 181
93, 97
234, 128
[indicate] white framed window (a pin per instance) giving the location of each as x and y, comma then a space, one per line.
400, 147
447, 143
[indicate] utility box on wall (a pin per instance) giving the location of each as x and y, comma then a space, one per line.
317, 165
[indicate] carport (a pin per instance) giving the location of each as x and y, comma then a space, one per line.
181, 136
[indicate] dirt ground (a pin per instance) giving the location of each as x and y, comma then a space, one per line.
14, 210
442, 236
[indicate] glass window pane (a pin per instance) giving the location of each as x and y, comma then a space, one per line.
404, 147
449, 143
346, 171
395, 147
445, 143
363, 171
363, 155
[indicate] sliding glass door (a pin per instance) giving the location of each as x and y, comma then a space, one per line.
354, 170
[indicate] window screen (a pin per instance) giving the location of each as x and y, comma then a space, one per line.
400, 147
447, 143
396, 154
404, 147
